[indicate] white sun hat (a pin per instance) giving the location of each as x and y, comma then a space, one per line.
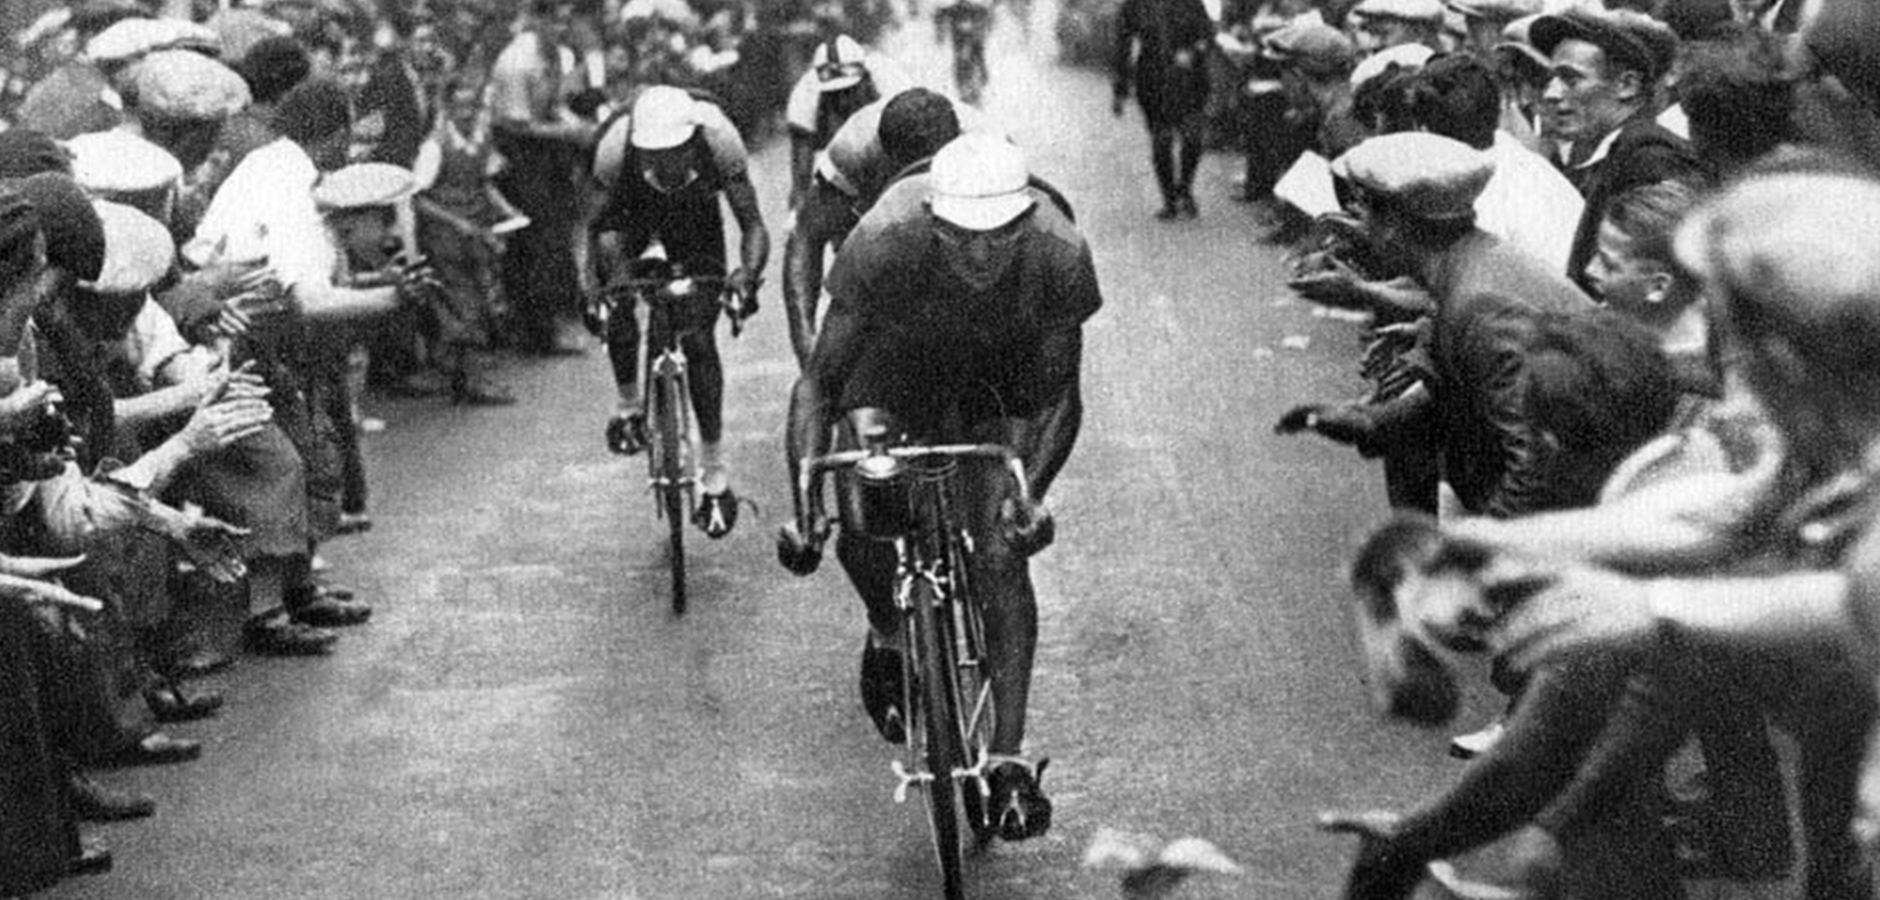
979, 182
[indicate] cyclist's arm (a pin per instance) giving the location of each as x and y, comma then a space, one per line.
595, 229
821, 221
1044, 441
802, 283
811, 415
802, 165
754, 238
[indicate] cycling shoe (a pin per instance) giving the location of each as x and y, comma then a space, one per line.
1019, 808
626, 433
883, 692
717, 513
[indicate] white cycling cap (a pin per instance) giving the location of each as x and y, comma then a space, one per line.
839, 63
663, 117
979, 182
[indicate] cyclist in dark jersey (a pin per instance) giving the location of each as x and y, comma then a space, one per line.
662, 168
956, 313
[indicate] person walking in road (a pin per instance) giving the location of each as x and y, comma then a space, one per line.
1160, 52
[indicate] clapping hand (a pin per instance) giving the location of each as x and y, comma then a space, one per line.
233, 407
743, 287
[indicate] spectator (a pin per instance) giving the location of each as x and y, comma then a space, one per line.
543, 141
1527, 203
1161, 54
1600, 101
1377, 25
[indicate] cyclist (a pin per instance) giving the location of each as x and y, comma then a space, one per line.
661, 168
883, 142
842, 78
956, 311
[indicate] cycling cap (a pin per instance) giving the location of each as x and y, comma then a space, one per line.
839, 63
663, 117
979, 182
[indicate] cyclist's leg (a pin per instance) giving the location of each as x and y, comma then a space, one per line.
1001, 578
870, 565
705, 372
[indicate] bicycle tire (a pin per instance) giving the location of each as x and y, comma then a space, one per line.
941, 734
671, 475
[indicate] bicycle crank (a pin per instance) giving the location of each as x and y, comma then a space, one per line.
908, 779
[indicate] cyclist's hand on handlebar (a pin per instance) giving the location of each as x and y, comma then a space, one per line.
594, 313
800, 553
1027, 525
743, 285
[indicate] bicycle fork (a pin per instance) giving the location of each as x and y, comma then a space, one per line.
914, 772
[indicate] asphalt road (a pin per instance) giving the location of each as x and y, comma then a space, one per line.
524, 718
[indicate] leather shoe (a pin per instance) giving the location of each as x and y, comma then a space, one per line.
286, 638
170, 704
329, 611
159, 749
91, 857
90, 801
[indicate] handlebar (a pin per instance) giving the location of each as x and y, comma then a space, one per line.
810, 470
682, 287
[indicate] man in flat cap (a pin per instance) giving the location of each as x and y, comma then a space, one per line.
183, 99
1414, 195
1382, 24
1601, 100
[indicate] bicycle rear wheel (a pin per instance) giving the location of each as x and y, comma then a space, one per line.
939, 714
670, 479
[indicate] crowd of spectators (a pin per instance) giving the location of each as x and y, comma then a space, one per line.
1618, 265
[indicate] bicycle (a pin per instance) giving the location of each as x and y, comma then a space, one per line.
909, 495
967, 22
676, 305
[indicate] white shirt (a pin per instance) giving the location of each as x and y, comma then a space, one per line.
1528, 203
266, 209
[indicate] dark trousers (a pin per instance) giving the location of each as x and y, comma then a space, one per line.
538, 270
1175, 149
36, 831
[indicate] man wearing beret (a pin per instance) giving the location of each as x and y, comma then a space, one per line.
1600, 99
1414, 196
183, 100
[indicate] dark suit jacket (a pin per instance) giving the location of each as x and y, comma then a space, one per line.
1486, 295
1167, 91
1644, 153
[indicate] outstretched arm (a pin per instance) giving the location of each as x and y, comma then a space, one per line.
754, 238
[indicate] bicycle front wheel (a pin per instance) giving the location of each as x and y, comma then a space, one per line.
939, 714
670, 482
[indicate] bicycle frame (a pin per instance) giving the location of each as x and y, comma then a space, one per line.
943, 632
672, 423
